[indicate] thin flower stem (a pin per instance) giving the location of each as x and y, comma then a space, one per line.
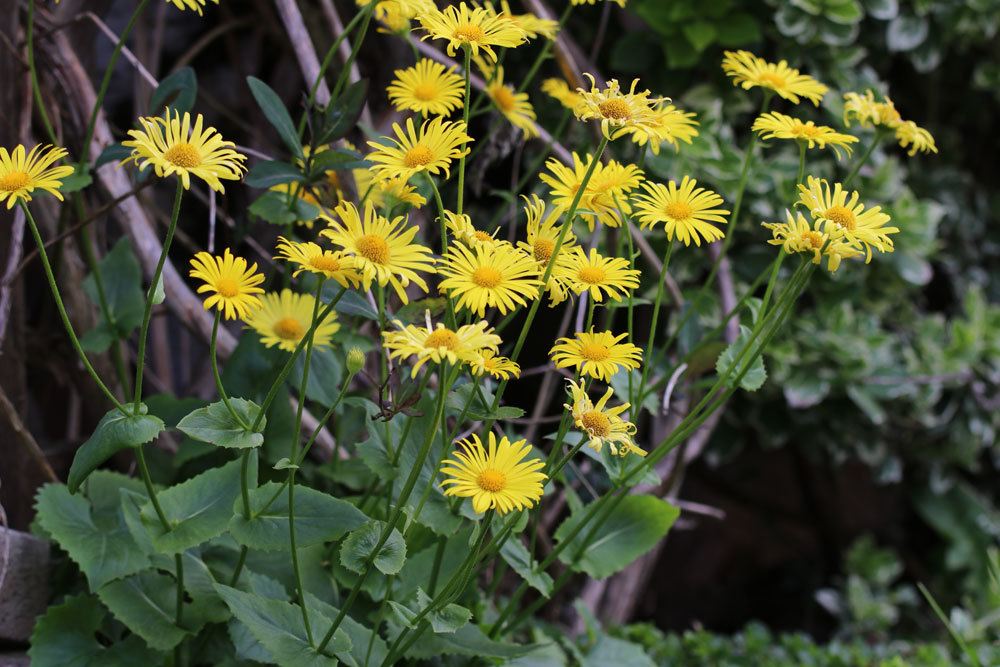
544, 53
444, 241
465, 120
355, 48
44, 257
212, 353
651, 339
35, 87
876, 140
802, 163
140, 357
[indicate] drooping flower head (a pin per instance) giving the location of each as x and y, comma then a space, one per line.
172, 146
917, 138
845, 216
284, 319
309, 256
431, 149
686, 211
667, 124
495, 476
479, 28
599, 355
489, 362
796, 235
598, 275
776, 125
498, 276
233, 286
868, 112
603, 425
21, 173
618, 111
424, 344
461, 227
559, 90
605, 197
427, 87
748, 71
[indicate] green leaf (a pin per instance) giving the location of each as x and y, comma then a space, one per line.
145, 603
214, 424
319, 517
613, 651
906, 32
78, 180
468, 640
516, 554
361, 636
699, 33
272, 172
844, 13
883, 10
355, 305
276, 114
112, 153
754, 378
336, 159
360, 545
632, 529
274, 207
121, 277
159, 294
342, 114
278, 626
197, 510
738, 29
177, 91
114, 433
446, 620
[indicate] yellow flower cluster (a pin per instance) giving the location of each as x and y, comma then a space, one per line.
868, 112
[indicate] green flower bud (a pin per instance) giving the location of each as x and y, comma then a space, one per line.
355, 360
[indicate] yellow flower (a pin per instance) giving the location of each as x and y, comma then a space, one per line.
685, 211
477, 28
514, 106
599, 355
432, 150
284, 319
666, 124
427, 88
488, 361
917, 138
607, 189
396, 14
532, 25
21, 174
619, 112
541, 243
776, 125
383, 249
311, 257
845, 216
560, 90
496, 476
597, 275
196, 5
440, 344
172, 146
233, 285
747, 70
484, 277
868, 112
620, 3
603, 425
796, 235
464, 231
386, 194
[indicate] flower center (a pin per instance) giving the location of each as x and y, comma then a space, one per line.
492, 480
373, 248
288, 328
592, 275
806, 130
504, 98
418, 156
595, 352
227, 287
542, 249
325, 263
425, 92
442, 338
487, 276
678, 210
183, 155
596, 423
772, 80
842, 216
482, 236
469, 32
813, 238
14, 181
616, 109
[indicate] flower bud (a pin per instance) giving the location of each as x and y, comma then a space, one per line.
355, 360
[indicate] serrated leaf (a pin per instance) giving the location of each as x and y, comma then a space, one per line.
319, 517
177, 91
516, 555
753, 379
285, 463
276, 114
362, 637
272, 172
446, 620
214, 424
145, 603
114, 433
360, 545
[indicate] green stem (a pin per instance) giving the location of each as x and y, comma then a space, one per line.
212, 353
465, 120
35, 87
802, 163
876, 140
346, 71
544, 53
651, 339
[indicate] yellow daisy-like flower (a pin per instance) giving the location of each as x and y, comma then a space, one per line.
489, 362
427, 88
315, 259
383, 249
284, 319
460, 225
514, 106
776, 125
234, 285
620, 3
796, 235
846, 216
599, 355
686, 211
431, 150
532, 25
602, 424
618, 111
917, 138
440, 344
21, 173
608, 188
597, 274
397, 14
496, 476
667, 124
543, 234
747, 70
868, 112
499, 276
173, 146
477, 28
385, 194
196, 5
560, 90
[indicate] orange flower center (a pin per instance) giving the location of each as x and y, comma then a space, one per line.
288, 328
425, 92
14, 181
542, 249
806, 130
813, 238
482, 236
841, 215
183, 155
487, 276
227, 287
469, 32
616, 109
418, 156
594, 352
504, 98
678, 210
373, 248
442, 337
491, 480
596, 423
592, 275
772, 80
325, 263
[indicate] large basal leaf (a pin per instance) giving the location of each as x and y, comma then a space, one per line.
121, 278
146, 604
360, 635
197, 510
278, 626
214, 424
632, 529
114, 433
516, 554
361, 543
468, 640
104, 553
276, 113
319, 517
